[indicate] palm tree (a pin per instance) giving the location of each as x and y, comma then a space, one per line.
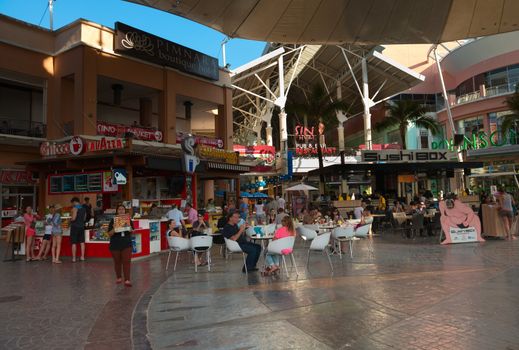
320, 107
403, 112
511, 119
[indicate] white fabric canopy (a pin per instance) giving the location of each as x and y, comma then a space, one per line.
353, 21
302, 187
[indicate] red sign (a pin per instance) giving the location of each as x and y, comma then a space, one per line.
266, 153
77, 145
201, 140
311, 150
14, 177
118, 130
304, 133
380, 147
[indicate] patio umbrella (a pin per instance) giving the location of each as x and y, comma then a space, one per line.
245, 194
259, 195
349, 22
302, 187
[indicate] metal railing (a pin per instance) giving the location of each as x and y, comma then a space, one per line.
489, 92
9, 126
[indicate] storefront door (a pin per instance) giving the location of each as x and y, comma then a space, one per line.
13, 203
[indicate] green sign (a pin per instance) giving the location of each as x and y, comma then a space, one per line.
478, 141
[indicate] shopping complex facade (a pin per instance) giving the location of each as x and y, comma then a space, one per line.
85, 106
479, 74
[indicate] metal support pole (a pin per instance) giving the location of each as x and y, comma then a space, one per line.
51, 14
269, 135
366, 101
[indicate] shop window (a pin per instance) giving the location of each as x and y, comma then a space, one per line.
466, 87
495, 121
393, 137
513, 76
496, 77
21, 110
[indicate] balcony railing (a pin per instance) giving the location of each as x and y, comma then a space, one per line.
489, 92
22, 128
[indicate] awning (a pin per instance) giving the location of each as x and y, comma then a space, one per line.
227, 167
353, 21
394, 167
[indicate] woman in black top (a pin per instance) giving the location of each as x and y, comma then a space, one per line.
121, 249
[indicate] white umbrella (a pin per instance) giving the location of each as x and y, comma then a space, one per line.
302, 187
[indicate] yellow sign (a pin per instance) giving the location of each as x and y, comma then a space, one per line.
218, 154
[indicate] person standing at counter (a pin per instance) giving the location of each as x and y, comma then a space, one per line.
77, 228
89, 210
176, 215
29, 218
121, 249
210, 205
192, 213
57, 233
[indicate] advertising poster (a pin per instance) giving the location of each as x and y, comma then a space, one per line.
108, 183
122, 223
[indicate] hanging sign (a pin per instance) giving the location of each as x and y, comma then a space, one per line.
139, 133
108, 182
120, 176
15, 177
218, 154
190, 159
263, 152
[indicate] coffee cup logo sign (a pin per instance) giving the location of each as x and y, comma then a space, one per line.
77, 145
139, 133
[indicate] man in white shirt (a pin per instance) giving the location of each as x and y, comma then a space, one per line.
280, 215
175, 214
281, 202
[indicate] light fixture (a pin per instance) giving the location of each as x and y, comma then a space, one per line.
214, 111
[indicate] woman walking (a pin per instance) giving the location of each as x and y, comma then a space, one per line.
121, 249
29, 219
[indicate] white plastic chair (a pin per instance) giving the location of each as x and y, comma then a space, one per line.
320, 244
177, 244
234, 247
343, 234
276, 248
306, 233
312, 227
362, 232
202, 244
269, 230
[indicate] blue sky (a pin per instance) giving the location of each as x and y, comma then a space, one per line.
107, 12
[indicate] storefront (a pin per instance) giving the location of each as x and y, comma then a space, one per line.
113, 170
18, 188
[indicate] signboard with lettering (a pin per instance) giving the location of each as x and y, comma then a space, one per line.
263, 152
201, 140
139, 133
78, 145
406, 156
218, 154
190, 159
306, 145
479, 140
15, 177
136, 43
463, 235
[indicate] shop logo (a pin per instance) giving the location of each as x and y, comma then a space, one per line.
190, 160
77, 145
120, 177
405, 156
139, 42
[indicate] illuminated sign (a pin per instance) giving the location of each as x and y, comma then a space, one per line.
263, 152
220, 154
309, 146
392, 156
201, 140
478, 141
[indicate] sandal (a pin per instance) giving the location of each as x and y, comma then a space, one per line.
119, 281
127, 283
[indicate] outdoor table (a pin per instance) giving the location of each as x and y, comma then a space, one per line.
263, 239
326, 228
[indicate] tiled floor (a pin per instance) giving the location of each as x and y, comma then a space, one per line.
409, 295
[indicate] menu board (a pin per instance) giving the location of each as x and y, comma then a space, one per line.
80, 183
69, 183
56, 184
95, 182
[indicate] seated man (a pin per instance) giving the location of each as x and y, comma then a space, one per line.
232, 231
